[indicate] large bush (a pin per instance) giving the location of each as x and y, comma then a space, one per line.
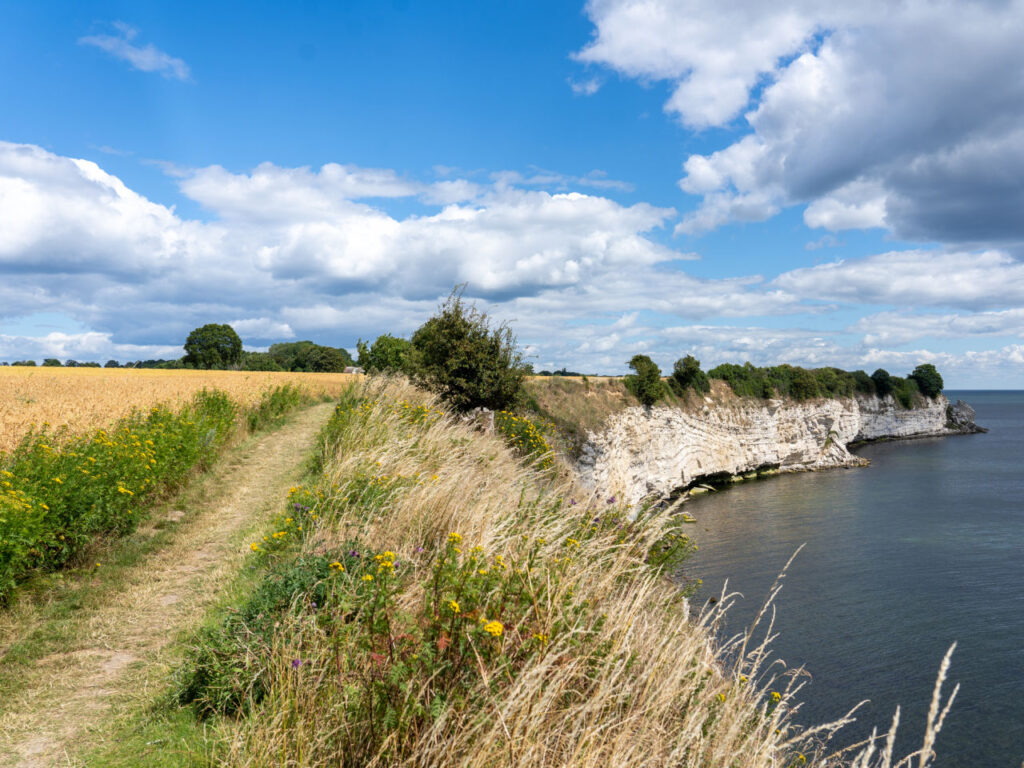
213, 345
687, 373
387, 353
928, 380
469, 364
645, 383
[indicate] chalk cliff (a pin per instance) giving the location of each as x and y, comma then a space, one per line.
642, 452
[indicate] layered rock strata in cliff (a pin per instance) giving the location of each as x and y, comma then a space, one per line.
641, 452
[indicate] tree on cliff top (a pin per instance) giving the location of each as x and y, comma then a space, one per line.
645, 384
468, 363
687, 373
928, 380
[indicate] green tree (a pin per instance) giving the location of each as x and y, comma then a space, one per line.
883, 382
259, 361
388, 353
112, 364
319, 359
30, 363
645, 383
213, 346
51, 362
687, 373
466, 361
928, 380
307, 356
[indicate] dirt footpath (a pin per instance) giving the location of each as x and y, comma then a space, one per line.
123, 644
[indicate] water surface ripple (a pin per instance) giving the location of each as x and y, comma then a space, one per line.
924, 547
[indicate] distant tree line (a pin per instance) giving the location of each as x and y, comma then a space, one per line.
218, 347
790, 381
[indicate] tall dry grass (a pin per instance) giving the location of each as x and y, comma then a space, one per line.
86, 399
627, 677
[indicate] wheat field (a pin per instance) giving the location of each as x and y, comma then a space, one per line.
83, 399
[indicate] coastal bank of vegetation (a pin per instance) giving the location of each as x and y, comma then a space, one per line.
433, 594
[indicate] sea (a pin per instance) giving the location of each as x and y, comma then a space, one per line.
923, 548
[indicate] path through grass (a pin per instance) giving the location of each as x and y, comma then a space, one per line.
103, 640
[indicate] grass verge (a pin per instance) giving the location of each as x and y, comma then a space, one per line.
426, 599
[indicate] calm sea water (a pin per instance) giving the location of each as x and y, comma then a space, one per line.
924, 547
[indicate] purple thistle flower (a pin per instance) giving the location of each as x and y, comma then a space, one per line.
572, 502
353, 553
611, 499
296, 663
419, 550
297, 505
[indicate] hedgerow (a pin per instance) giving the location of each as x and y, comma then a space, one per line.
59, 492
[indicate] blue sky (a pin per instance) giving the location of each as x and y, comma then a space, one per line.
799, 183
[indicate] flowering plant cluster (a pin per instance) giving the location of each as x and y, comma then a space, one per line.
525, 437
57, 492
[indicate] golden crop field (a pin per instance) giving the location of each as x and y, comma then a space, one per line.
83, 399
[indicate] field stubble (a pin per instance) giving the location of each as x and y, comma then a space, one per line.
85, 399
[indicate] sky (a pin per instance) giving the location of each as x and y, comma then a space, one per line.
800, 182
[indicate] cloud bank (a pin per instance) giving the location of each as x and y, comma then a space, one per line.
904, 116
301, 252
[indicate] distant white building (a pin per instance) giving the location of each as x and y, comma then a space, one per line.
354, 369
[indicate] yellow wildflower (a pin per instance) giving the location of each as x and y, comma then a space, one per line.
367, 577
494, 628
454, 538
337, 566
776, 696
453, 606
254, 547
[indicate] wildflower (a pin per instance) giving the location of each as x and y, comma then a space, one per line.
61, 482
353, 553
743, 679
611, 499
776, 696
367, 577
494, 628
296, 663
540, 637
721, 697
454, 538
337, 566
254, 547
453, 606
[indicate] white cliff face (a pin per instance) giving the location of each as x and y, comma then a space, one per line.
639, 453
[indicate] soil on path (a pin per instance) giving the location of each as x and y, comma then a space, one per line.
123, 648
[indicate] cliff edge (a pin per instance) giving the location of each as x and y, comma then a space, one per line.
640, 452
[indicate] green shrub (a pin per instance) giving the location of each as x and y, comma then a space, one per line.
525, 437
645, 383
387, 354
467, 363
928, 380
259, 361
686, 373
275, 404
